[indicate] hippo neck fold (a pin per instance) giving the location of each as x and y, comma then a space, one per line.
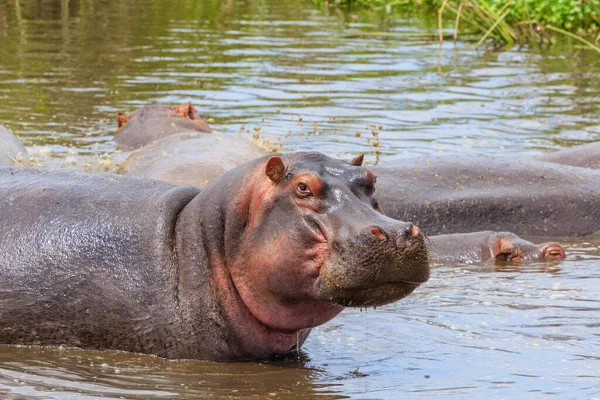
207, 229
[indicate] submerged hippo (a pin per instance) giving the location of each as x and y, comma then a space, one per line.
454, 194
155, 122
501, 246
10, 146
242, 269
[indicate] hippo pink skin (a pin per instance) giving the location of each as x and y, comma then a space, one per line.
241, 269
10, 147
461, 194
585, 156
156, 122
189, 158
482, 246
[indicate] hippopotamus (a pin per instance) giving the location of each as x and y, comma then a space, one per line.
500, 246
155, 122
460, 195
10, 146
241, 269
171, 145
200, 158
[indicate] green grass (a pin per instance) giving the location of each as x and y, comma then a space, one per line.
506, 21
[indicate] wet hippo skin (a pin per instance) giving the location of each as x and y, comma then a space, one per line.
241, 269
454, 194
200, 159
10, 146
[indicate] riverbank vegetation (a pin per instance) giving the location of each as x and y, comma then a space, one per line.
507, 21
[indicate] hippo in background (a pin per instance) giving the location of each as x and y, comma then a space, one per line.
241, 269
173, 145
10, 147
458, 194
467, 248
155, 122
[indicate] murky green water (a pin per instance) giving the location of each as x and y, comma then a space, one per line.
313, 79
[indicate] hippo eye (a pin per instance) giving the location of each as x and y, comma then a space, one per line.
303, 189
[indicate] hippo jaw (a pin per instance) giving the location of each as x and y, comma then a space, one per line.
372, 272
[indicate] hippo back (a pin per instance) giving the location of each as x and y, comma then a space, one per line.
585, 156
452, 194
189, 158
87, 260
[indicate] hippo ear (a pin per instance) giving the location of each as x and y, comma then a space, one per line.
122, 119
275, 169
358, 160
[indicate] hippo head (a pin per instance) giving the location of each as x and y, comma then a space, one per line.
156, 122
509, 247
314, 240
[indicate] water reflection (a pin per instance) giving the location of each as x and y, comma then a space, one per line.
310, 78
66, 373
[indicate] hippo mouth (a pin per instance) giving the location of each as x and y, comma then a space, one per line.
375, 295
363, 273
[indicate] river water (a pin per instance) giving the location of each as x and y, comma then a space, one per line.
308, 78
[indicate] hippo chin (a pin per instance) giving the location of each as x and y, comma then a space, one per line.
240, 270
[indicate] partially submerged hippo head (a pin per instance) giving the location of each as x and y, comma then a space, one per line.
509, 247
155, 122
313, 240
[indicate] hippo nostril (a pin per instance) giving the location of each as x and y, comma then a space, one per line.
411, 230
553, 251
378, 233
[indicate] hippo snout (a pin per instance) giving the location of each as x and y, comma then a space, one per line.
552, 251
382, 263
